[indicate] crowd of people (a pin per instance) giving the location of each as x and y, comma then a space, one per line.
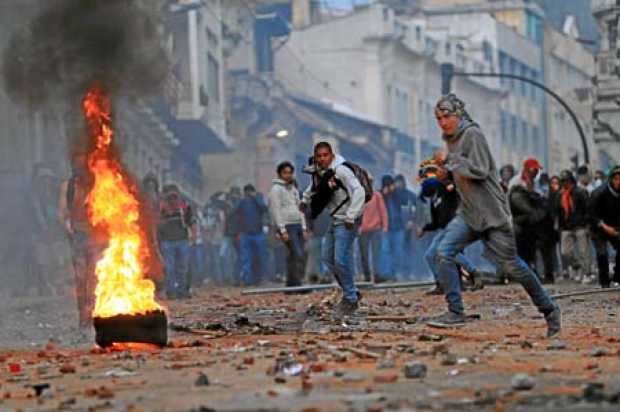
349, 227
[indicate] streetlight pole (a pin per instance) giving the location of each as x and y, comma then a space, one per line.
447, 72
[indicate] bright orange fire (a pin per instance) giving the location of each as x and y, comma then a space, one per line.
114, 208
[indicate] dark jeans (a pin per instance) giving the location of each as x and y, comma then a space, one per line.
197, 264
373, 251
396, 240
501, 249
254, 257
601, 241
177, 255
295, 256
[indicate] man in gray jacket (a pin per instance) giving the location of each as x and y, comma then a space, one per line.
345, 206
483, 214
289, 222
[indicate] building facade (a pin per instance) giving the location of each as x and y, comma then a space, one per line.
385, 68
606, 111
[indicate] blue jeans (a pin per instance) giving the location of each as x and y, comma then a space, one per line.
295, 257
197, 264
337, 254
254, 257
373, 251
176, 255
500, 248
229, 258
431, 256
396, 240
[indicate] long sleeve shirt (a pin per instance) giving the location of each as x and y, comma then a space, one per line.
284, 205
349, 200
483, 201
375, 215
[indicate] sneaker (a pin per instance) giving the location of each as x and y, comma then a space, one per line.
344, 309
554, 322
446, 320
436, 291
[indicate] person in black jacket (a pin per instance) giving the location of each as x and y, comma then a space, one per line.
571, 209
526, 205
604, 214
444, 201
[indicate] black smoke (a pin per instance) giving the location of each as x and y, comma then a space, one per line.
71, 44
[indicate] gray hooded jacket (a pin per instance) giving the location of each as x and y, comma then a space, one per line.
483, 202
284, 205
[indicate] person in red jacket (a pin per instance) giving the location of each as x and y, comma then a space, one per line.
372, 239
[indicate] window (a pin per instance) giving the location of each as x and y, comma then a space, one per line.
513, 70
504, 126
418, 33
533, 27
487, 50
513, 131
524, 138
504, 68
524, 85
213, 77
612, 32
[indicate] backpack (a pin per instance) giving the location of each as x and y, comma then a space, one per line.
324, 192
364, 178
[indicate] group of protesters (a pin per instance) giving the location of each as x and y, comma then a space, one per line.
348, 226
566, 220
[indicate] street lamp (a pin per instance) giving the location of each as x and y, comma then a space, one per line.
447, 73
281, 134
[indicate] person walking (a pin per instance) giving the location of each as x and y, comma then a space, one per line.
484, 214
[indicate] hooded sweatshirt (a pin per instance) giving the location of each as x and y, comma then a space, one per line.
483, 202
284, 205
349, 200
604, 206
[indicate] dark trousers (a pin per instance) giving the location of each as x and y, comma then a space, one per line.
295, 264
601, 241
548, 252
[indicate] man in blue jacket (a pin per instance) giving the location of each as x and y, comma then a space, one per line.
253, 243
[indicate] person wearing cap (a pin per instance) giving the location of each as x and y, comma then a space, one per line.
527, 207
571, 210
484, 215
604, 216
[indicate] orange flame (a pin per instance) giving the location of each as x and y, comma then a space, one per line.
114, 208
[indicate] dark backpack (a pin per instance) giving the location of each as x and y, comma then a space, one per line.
323, 192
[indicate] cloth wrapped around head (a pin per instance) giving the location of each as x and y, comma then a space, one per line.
450, 104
